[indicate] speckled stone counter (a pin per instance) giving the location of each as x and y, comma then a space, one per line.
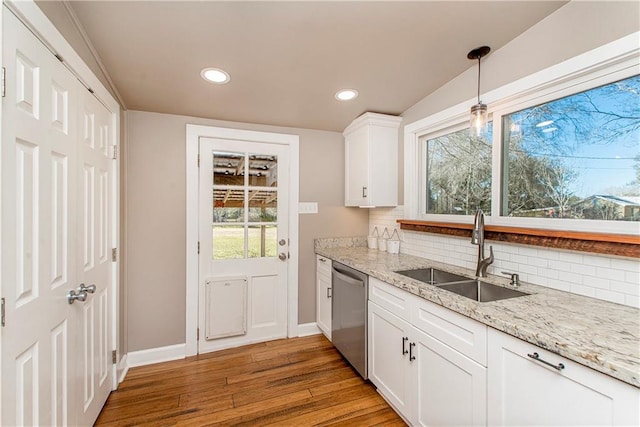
601, 335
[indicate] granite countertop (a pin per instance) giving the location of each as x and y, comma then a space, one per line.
601, 335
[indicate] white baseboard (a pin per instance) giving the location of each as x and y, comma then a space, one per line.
122, 369
307, 329
155, 355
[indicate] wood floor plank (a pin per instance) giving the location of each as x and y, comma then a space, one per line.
288, 382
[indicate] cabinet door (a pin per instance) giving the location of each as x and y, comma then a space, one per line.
524, 391
450, 388
388, 357
357, 168
323, 294
324, 304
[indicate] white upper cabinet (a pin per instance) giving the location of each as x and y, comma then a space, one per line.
371, 160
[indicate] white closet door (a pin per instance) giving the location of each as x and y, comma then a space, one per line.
43, 219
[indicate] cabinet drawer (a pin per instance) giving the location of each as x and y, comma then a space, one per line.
323, 266
455, 330
393, 299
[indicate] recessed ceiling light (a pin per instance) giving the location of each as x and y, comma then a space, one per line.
346, 94
215, 75
545, 123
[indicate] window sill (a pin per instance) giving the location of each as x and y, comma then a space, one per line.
601, 243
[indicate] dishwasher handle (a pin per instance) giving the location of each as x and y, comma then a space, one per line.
348, 279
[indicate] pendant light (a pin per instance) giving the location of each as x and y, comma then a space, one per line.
478, 120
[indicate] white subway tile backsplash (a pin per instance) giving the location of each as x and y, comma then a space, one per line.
583, 290
632, 301
597, 261
625, 288
570, 277
585, 270
538, 262
632, 277
610, 273
570, 257
596, 282
560, 265
559, 284
626, 265
610, 296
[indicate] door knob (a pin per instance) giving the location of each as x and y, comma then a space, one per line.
90, 289
282, 256
72, 296
282, 242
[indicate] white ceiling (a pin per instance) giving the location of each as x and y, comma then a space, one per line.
287, 59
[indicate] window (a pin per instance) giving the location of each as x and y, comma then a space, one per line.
458, 168
577, 157
245, 205
563, 151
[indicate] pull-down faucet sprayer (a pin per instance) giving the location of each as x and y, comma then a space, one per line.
477, 238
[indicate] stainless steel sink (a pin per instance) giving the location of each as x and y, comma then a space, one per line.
481, 291
432, 276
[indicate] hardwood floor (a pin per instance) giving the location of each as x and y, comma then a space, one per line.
291, 382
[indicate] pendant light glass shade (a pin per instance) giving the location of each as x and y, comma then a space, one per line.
478, 119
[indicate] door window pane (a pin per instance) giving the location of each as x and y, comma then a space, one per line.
459, 173
228, 242
263, 170
228, 205
575, 157
228, 168
263, 206
262, 241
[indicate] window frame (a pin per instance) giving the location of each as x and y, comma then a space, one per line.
609, 63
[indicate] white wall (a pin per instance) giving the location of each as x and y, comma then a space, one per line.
615, 279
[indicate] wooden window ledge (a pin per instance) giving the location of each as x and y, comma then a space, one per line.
601, 243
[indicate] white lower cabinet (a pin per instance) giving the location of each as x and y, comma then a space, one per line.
425, 380
524, 390
451, 389
323, 295
389, 368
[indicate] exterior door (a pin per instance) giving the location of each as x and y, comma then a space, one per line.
242, 296
45, 220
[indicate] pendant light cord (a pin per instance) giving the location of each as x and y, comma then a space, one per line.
479, 61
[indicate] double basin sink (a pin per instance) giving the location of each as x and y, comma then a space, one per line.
474, 289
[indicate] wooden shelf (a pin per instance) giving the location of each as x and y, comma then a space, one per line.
602, 243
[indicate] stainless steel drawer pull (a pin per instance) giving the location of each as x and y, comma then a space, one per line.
536, 356
404, 348
328, 292
411, 356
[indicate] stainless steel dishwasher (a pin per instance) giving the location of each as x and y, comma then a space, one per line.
349, 315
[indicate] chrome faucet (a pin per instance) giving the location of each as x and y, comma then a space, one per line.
477, 238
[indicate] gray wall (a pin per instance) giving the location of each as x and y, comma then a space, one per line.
156, 219
575, 28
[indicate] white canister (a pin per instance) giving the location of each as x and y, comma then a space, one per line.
382, 241
393, 246
372, 242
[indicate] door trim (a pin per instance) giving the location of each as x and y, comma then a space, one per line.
193, 135
33, 18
